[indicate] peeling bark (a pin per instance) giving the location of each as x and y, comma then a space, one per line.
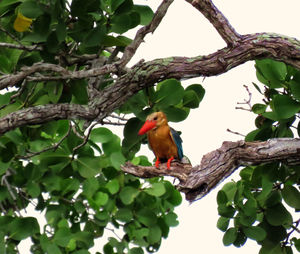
217, 165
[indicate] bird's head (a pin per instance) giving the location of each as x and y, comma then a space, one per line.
153, 121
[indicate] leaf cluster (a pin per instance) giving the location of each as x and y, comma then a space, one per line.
260, 205
69, 171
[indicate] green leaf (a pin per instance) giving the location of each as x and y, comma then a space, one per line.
285, 107
5, 3
157, 189
33, 189
114, 4
90, 186
226, 211
70, 186
120, 41
95, 37
223, 223
198, 89
168, 93
146, 13
61, 31
86, 166
190, 99
62, 237
100, 198
131, 129
259, 108
79, 91
52, 42
30, 9
128, 194
21, 228
295, 89
136, 250
230, 190
271, 73
146, 217
229, 236
101, 135
113, 186
124, 214
255, 232
154, 235
117, 159
222, 198
291, 196
176, 114
53, 249
171, 219
123, 22
278, 215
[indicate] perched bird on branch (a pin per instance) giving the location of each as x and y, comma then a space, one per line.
164, 141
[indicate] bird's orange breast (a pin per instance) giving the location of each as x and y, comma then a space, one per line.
162, 143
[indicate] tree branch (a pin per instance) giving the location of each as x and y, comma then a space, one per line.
218, 20
217, 165
45, 113
21, 46
144, 74
141, 33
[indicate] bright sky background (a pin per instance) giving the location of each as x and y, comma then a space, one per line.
185, 32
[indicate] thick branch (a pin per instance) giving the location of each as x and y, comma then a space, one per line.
45, 113
217, 19
215, 166
254, 46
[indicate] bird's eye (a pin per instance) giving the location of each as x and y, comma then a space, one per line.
155, 118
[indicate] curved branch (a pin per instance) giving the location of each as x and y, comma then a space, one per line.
218, 20
215, 166
144, 74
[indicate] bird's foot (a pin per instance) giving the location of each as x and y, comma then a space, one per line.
157, 162
169, 162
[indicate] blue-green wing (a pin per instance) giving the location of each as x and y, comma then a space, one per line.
178, 141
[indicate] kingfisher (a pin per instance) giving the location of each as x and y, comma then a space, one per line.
163, 140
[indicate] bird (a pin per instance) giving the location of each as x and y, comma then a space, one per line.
164, 141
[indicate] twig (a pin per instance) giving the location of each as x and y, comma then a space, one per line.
118, 117
247, 102
19, 92
236, 133
21, 47
113, 231
108, 122
142, 32
10, 35
85, 140
53, 147
5, 182
294, 228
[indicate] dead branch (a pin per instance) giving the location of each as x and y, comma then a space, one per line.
217, 165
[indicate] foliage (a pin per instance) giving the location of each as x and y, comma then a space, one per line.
262, 205
69, 170
76, 182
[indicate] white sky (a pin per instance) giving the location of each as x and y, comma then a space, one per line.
185, 32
